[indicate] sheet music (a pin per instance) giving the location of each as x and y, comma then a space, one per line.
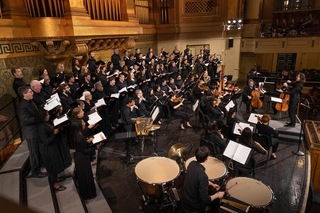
237, 152
131, 87
242, 154
51, 103
253, 118
195, 106
155, 114
58, 121
229, 105
41, 81
124, 89
83, 98
54, 96
148, 80
100, 102
99, 137
241, 126
94, 118
206, 64
231, 149
277, 100
115, 95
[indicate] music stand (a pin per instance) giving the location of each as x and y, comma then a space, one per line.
304, 116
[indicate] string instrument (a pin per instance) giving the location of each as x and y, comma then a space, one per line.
197, 82
240, 131
185, 80
179, 99
256, 102
283, 107
204, 87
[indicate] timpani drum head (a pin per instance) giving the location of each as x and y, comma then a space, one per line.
250, 191
157, 170
215, 168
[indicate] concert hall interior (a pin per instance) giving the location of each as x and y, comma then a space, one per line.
159, 106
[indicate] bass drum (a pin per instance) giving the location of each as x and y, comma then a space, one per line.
156, 173
215, 169
253, 192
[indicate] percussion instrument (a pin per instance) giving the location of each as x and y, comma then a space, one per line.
156, 174
153, 127
178, 151
142, 128
215, 168
251, 191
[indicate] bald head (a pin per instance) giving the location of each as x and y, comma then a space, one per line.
35, 86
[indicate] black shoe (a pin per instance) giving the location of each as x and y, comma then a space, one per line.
39, 175
289, 125
61, 188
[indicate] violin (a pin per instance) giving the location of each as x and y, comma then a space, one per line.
256, 102
176, 100
204, 87
283, 107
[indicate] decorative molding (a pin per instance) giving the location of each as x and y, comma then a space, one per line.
13, 48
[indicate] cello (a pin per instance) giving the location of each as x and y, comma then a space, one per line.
256, 103
283, 107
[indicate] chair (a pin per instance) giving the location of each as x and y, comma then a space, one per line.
204, 119
170, 118
248, 168
210, 145
265, 141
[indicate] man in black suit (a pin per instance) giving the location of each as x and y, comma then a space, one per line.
246, 97
65, 97
17, 82
115, 59
27, 111
129, 119
92, 63
38, 97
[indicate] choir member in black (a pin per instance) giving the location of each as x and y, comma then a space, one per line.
184, 69
91, 62
38, 98
142, 81
83, 168
83, 71
73, 86
60, 71
131, 61
232, 118
214, 135
128, 119
173, 70
173, 106
215, 62
156, 73
206, 53
163, 71
163, 61
110, 68
158, 92
165, 87
140, 102
102, 76
149, 58
78, 113
189, 57
139, 60
88, 104
76, 69
18, 81
294, 97
131, 80
121, 84
264, 128
246, 97
199, 67
65, 97
253, 74
150, 50
115, 58
164, 53
86, 82
142, 66
179, 82
43, 71
196, 184
136, 56
114, 102
201, 55
185, 52
177, 54
27, 111
104, 126
47, 89
198, 92
126, 57
211, 69
48, 147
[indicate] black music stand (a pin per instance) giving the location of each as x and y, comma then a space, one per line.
304, 116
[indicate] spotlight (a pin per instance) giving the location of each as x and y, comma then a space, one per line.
239, 28
229, 22
239, 20
234, 21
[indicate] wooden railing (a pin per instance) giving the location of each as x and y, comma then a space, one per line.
104, 9
142, 11
44, 8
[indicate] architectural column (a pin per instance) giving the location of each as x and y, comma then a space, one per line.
128, 11
75, 8
14, 9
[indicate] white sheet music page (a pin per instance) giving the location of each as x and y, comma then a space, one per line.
253, 118
115, 95
58, 121
241, 126
229, 105
124, 89
277, 100
242, 154
231, 149
51, 103
155, 114
100, 103
94, 118
195, 106
98, 137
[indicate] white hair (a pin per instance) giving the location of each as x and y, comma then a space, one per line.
34, 83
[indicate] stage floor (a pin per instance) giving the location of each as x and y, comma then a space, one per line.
287, 175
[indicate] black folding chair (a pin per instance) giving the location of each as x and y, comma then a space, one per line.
265, 142
210, 145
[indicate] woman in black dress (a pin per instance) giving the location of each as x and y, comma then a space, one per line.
232, 118
214, 135
246, 139
49, 150
173, 107
83, 168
